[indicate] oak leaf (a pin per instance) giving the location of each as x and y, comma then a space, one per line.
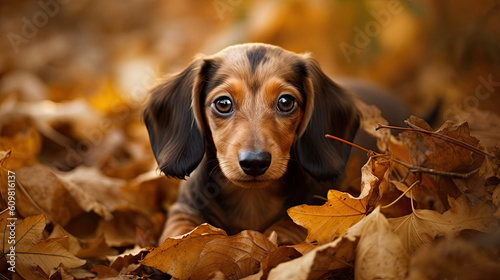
326, 222
422, 226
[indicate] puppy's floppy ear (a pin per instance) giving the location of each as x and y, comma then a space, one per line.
334, 113
175, 138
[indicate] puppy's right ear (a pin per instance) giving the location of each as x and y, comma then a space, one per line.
175, 138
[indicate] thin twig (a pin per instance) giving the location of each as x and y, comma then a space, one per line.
440, 136
348, 143
414, 169
410, 167
320, 197
401, 196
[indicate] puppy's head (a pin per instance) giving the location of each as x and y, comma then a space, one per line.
257, 107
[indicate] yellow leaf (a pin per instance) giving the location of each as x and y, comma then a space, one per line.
324, 258
326, 222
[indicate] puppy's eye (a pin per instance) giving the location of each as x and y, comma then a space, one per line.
223, 105
286, 103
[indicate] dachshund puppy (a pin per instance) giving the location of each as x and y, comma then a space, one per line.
248, 125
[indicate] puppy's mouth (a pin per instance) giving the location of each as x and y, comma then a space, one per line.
253, 182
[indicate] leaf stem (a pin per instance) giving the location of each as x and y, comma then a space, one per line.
401, 196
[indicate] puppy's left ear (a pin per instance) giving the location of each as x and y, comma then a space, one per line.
176, 140
334, 113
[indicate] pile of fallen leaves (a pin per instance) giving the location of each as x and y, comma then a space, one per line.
427, 207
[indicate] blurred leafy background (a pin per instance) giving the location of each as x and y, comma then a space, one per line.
102, 56
74, 75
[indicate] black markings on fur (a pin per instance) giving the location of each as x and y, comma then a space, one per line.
300, 73
256, 56
208, 73
300, 69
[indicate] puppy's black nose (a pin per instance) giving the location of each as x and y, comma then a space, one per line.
254, 163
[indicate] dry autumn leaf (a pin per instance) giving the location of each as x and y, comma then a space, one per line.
274, 258
93, 191
380, 254
422, 226
33, 253
484, 125
435, 153
178, 256
28, 232
325, 223
48, 254
372, 117
209, 251
44, 193
339, 253
320, 260
234, 256
92, 248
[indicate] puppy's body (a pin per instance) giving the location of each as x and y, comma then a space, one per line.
250, 121
212, 198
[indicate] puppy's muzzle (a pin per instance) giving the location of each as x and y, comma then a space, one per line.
254, 163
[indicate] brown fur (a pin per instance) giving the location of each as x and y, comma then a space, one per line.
187, 133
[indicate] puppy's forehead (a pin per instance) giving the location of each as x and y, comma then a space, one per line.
257, 60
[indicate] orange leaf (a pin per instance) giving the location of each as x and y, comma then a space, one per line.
326, 222
235, 256
177, 256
